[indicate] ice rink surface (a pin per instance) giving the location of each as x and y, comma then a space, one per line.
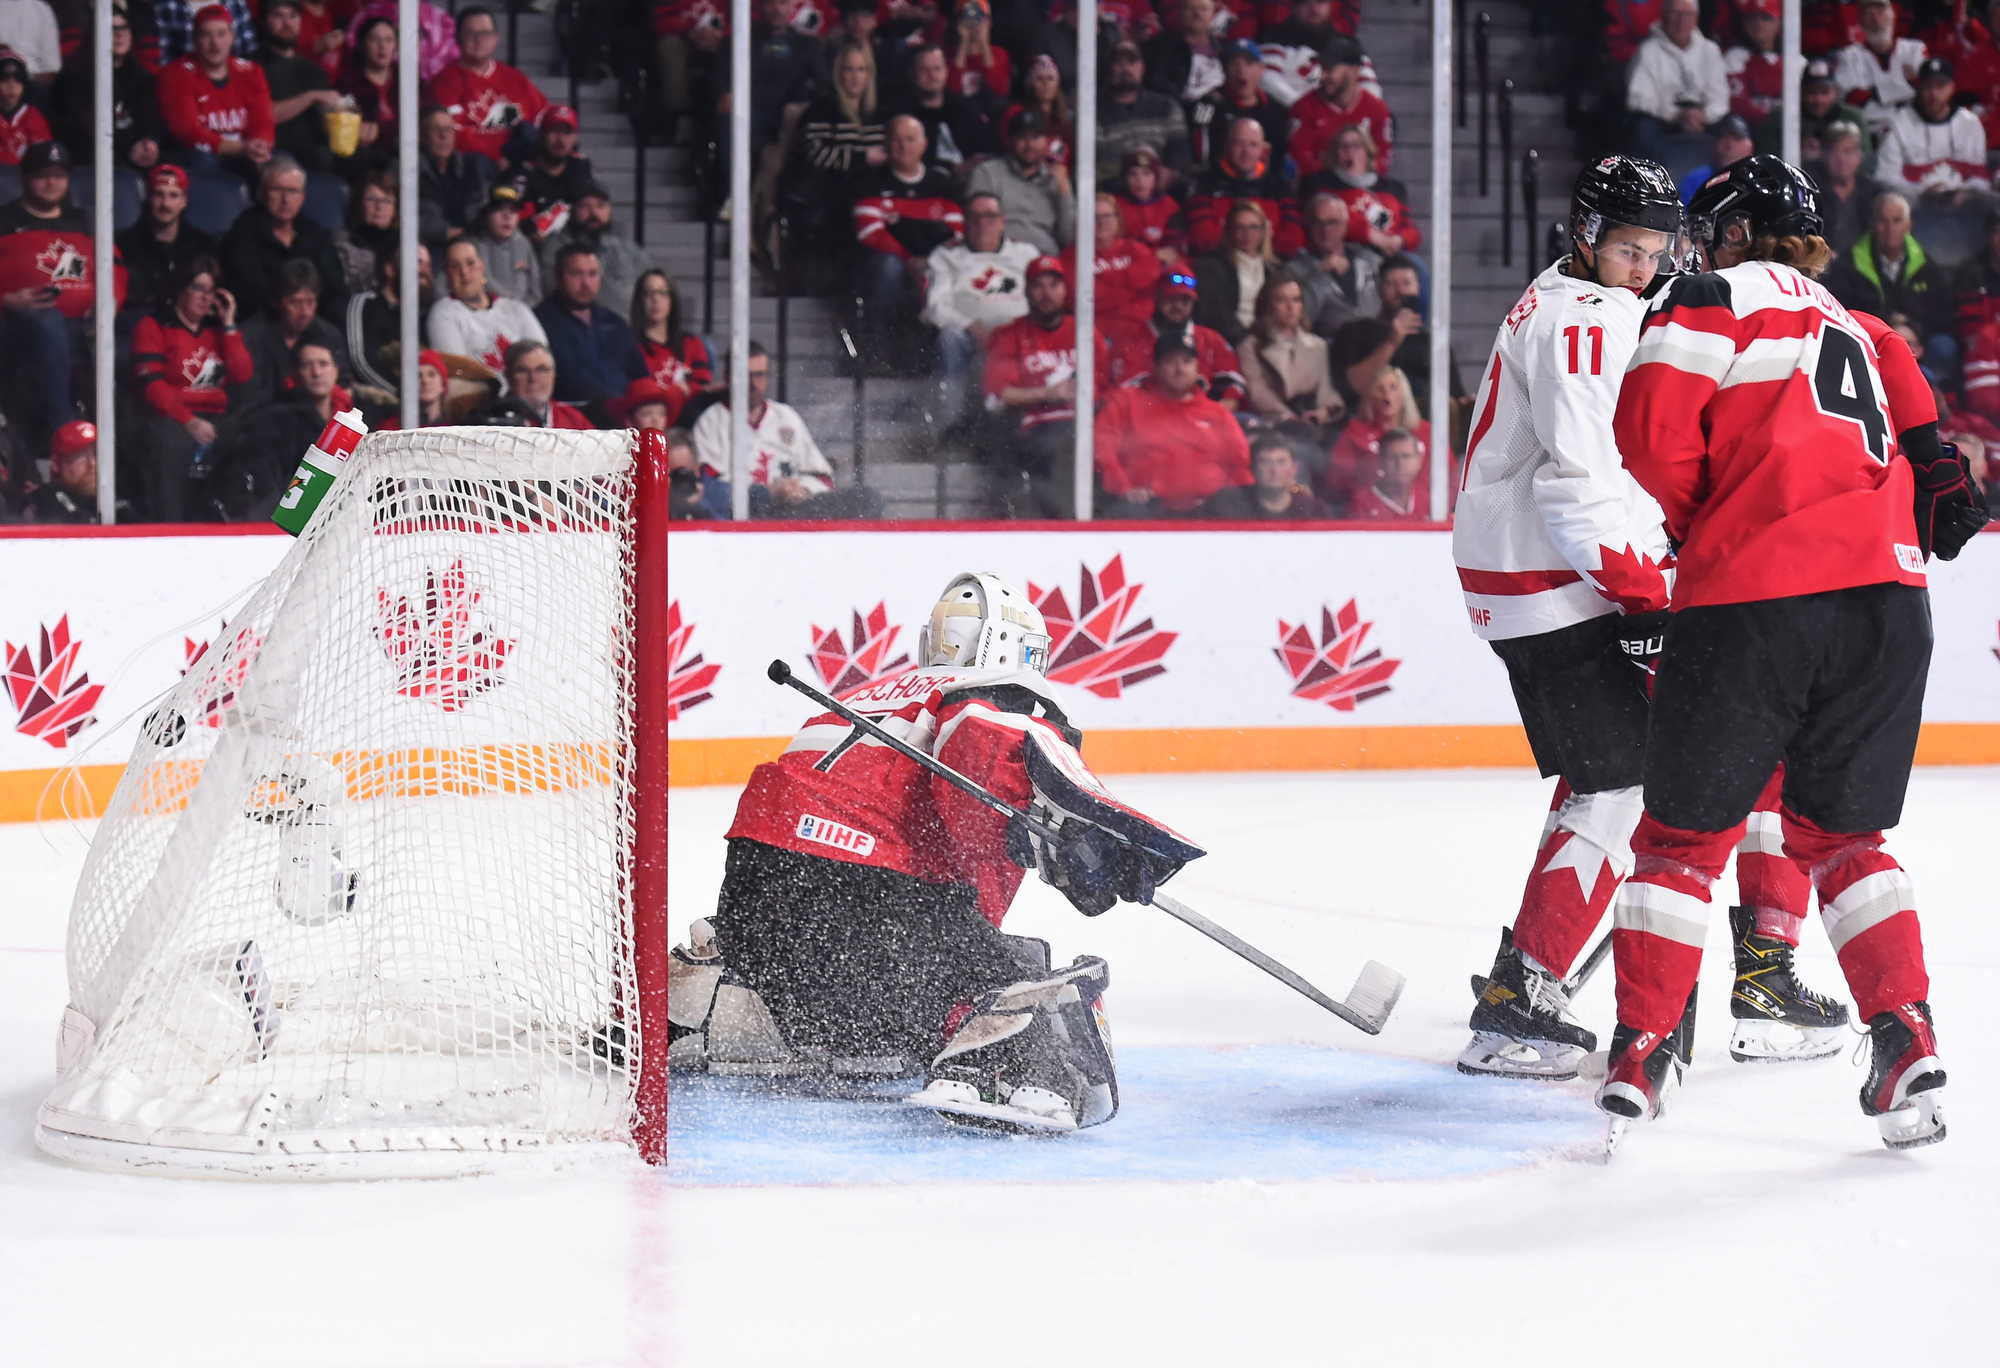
1277, 1189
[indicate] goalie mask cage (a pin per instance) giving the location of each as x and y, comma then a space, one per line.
382, 890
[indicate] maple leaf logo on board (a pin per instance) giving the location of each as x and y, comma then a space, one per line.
846, 668
1092, 647
687, 678
443, 651
218, 693
48, 703
1333, 672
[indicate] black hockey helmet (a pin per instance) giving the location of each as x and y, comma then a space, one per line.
1767, 195
1630, 192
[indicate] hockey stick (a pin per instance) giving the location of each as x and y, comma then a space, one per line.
1591, 964
1367, 1006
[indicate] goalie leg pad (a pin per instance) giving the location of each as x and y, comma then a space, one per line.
1034, 1056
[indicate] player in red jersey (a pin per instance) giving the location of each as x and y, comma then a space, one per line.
858, 927
1756, 413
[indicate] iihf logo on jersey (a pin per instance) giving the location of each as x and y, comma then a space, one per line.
49, 703
1334, 672
1092, 647
443, 650
847, 669
687, 678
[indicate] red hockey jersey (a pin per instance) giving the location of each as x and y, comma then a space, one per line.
1025, 355
201, 113
870, 805
485, 106
184, 369
1126, 273
19, 130
1755, 411
1315, 120
908, 218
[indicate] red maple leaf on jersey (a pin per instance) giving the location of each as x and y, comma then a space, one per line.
1631, 579
216, 694
1333, 672
442, 649
1092, 647
845, 667
687, 680
48, 703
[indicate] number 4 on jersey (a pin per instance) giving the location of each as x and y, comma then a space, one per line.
1572, 335
1845, 385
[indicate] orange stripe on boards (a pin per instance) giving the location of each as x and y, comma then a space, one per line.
27, 795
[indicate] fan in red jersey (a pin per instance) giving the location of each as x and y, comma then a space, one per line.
858, 928
1757, 413
487, 98
217, 104
1031, 373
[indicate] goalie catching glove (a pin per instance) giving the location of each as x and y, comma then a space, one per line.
1102, 850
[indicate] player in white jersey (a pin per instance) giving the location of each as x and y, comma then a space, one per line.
1564, 563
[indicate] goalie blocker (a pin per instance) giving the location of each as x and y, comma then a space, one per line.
863, 898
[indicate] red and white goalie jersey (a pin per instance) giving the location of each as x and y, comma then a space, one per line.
1756, 413
843, 795
1549, 530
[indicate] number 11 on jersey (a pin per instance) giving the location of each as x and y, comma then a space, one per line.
1570, 334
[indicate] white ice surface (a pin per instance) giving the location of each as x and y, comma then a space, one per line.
1762, 1217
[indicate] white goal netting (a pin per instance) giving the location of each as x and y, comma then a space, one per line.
361, 901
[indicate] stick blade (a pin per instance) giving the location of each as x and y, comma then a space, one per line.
1375, 995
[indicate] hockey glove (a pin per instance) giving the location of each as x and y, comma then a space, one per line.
1642, 636
1950, 506
1092, 867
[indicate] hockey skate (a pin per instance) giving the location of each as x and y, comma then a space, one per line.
1905, 1087
1777, 1018
1031, 1057
1643, 1074
1517, 1024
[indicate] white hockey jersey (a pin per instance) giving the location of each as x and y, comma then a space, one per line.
1549, 530
962, 287
1891, 76
1917, 155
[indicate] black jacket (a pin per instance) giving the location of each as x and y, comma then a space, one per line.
135, 111
264, 339
955, 132
541, 187
448, 198
1221, 291
252, 257
304, 134
150, 264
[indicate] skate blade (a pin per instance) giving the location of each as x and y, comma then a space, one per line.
1920, 1123
1501, 1056
998, 1116
1614, 1134
1776, 1042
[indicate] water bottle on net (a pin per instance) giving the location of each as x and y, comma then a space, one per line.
318, 469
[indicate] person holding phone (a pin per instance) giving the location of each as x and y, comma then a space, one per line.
183, 357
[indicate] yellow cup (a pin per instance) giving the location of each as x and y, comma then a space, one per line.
343, 131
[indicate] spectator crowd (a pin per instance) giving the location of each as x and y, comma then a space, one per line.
1260, 339
1899, 130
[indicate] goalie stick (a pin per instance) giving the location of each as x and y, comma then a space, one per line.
1367, 1007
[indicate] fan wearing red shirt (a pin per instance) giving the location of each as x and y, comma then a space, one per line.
1400, 493
1145, 211
486, 97
21, 124
1173, 312
183, 356
1761, 415
1339, 102
1163, 447
1126, 272
1031, 372
1244, 172
215, 104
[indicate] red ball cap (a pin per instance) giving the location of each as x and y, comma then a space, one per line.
212, 14
1048, 265
435, 360
557, 114
73, 437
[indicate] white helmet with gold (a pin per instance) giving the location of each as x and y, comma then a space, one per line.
982, 622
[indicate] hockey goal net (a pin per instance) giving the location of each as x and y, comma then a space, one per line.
376, 894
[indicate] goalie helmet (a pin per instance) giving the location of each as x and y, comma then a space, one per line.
983, 622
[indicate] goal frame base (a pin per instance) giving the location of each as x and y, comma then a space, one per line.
119, 1156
